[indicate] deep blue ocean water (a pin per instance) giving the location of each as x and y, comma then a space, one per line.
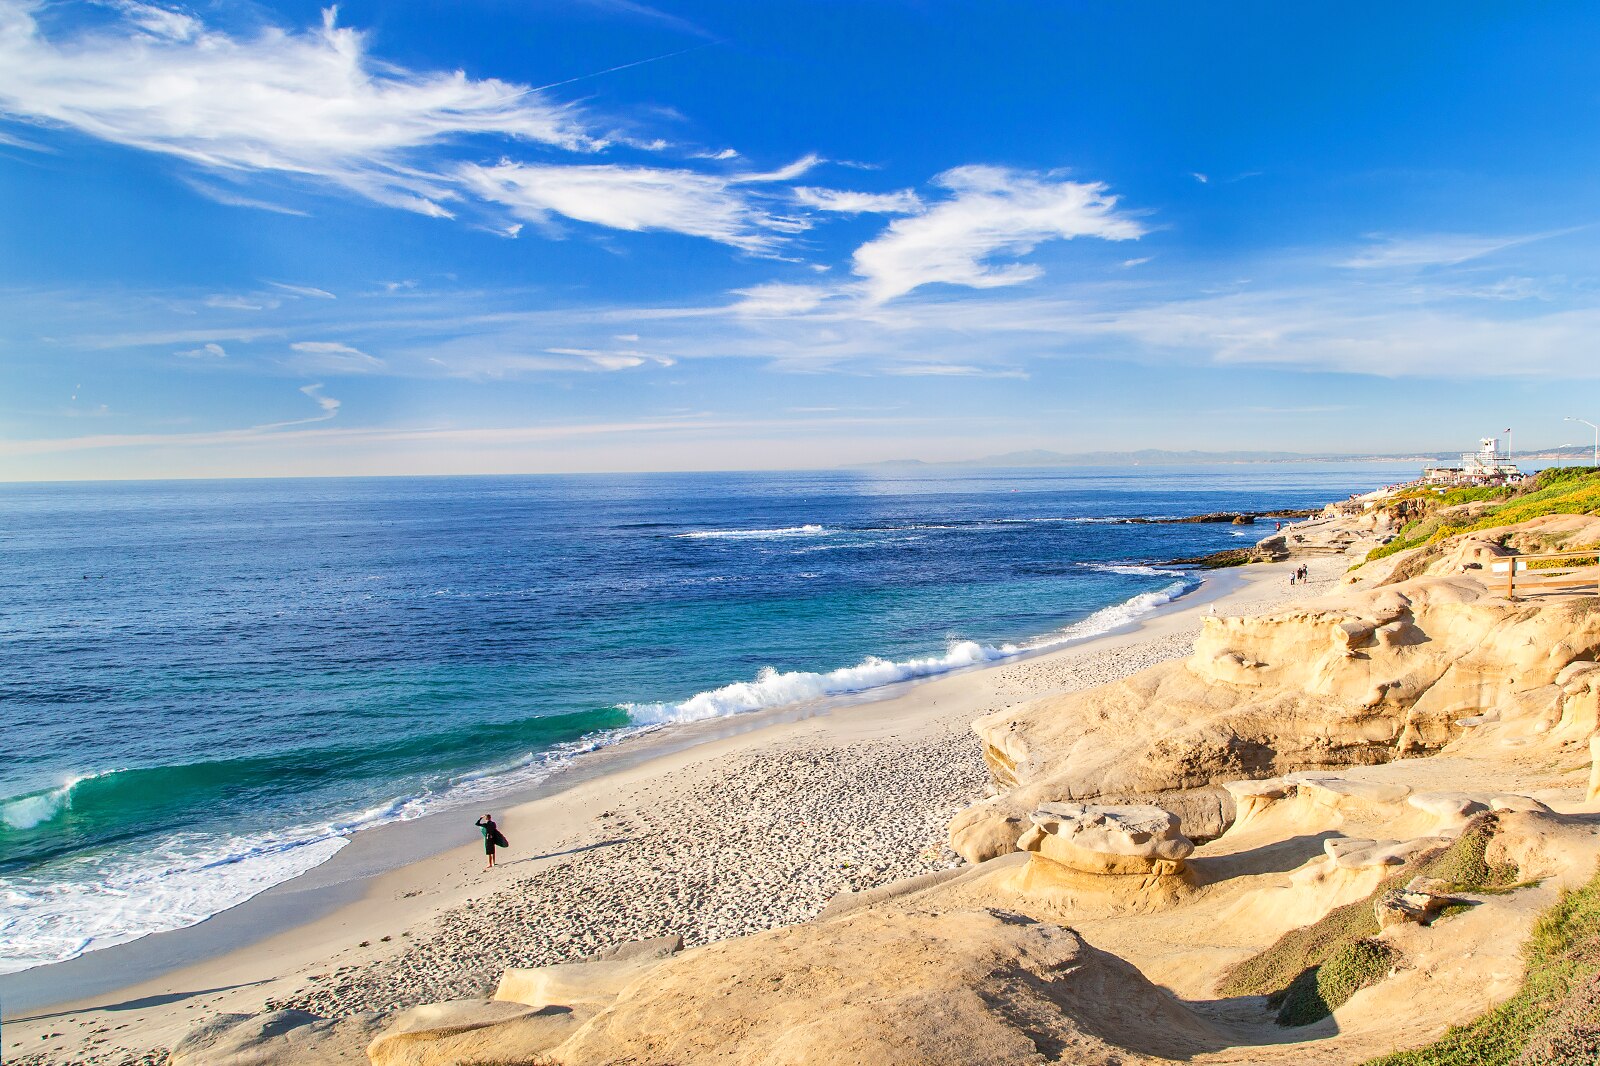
206, 687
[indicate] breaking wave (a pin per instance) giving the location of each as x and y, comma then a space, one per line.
25, 812
753, 534
775, 688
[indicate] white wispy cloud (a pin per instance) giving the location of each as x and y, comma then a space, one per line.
229, 198
158, 21
951, 370
314, 104
333, 357
847, 202
310, 291
648, 13
209, 350
1385, 334
329, 405
1440, 249
310, 103
992, 212
778, 298
599, 359
13, 141
1301, 315
793, 170
279, 434
633, 198
228, 301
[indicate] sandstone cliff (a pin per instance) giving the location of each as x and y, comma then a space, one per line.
1363, 677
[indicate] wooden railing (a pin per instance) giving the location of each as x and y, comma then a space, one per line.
1520, 574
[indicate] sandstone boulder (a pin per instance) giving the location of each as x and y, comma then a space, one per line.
571, 984
1354, 853
1450, 808
470, 1030
1518, 803
1108, 840
1419, 902
886, 987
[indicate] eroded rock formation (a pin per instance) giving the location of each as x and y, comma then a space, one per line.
1360, 678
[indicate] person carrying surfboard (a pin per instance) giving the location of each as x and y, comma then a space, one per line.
492, 838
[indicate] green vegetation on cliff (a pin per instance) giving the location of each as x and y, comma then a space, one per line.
1558, 490
1554, 1019
1309, 972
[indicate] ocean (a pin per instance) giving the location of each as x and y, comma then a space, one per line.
206, 687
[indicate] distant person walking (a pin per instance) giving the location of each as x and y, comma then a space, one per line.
492, 838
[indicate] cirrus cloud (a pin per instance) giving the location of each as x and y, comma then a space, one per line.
333, 357
635, 198
847, 202
312, 104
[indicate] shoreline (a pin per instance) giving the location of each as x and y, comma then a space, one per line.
346, 876
387, 893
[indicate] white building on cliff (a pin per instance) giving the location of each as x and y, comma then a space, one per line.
1486, 466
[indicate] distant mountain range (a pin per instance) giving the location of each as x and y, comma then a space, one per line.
1162, 457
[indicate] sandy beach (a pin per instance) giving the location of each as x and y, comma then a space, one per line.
704, 832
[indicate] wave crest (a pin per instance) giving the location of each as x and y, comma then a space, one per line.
753, 534
37, 808
1131, 570
774, 688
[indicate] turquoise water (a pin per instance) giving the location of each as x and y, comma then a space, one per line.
207, 687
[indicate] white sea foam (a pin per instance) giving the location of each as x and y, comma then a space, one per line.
1114, 617
974, 525
176, 883
753, 534
1132, 569
112, 898
774, 688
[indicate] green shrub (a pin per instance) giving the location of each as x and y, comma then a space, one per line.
1551, 475
1476, 494
1317, 963
1554, 1019
1320, 991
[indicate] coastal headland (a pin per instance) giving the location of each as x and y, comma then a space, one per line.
1312, 822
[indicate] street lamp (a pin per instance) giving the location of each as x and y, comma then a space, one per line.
1596, 429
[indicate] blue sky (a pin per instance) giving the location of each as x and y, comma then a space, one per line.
471, 236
